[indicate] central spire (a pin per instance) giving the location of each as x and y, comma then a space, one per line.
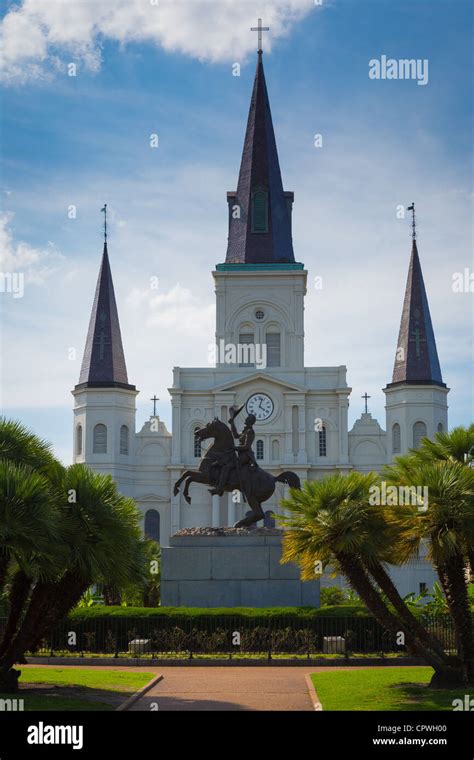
260, 210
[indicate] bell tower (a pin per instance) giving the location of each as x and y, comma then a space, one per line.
416, 399
260, 287
104, 400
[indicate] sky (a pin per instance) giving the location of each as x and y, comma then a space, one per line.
71, 143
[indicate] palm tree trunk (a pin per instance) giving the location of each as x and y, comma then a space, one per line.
4, 561
470, 556
357, 577
65, 595
39, 602
453, 579
20, 590
383, 579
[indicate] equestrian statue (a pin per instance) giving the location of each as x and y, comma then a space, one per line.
229, 467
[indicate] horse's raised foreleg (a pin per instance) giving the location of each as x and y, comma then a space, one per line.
194, 477
186, 474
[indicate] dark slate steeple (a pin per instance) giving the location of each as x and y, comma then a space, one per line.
103, 364
262, 234
416, 360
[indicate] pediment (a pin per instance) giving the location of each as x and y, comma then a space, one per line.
230, 385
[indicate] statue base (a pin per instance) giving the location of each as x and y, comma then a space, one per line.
231, 567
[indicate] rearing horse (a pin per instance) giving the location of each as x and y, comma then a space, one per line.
262, 483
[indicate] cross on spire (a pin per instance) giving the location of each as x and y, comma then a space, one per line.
104, 210
413, 220
154, 399
260, 29
366, 398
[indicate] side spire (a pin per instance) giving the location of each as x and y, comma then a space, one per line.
416, 359
103, 363
260, 210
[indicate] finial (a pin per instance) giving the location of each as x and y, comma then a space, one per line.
104, 210
259, 29
413, 220
154, 399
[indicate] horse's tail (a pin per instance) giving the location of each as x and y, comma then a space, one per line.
289, 478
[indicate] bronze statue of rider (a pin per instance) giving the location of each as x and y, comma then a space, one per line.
245, 456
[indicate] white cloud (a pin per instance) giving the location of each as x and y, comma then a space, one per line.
40, 36
177, 310
36, 264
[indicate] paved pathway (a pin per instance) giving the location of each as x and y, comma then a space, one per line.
229, 688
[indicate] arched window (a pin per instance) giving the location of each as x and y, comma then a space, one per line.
273, 343
259, 448
440, 427
269, 519
124, 439
322, 442
79, 440
396, 442
419, 432
152, 524
275, 450
246, 350
260, 211
100, 440
197, 445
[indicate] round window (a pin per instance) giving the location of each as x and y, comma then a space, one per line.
259, 314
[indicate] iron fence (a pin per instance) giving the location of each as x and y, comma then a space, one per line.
175, 636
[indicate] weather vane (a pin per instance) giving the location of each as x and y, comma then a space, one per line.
260, 29
104, 210
413, 220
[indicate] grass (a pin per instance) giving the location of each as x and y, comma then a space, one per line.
386, 689
70, 688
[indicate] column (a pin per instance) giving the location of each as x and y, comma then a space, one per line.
343, 431
216, 502
302, 454
176, 428
175, 506
231, 512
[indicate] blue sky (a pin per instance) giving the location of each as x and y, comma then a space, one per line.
84, 140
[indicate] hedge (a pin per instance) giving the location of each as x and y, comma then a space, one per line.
102, 612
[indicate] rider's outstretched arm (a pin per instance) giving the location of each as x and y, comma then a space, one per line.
235, 432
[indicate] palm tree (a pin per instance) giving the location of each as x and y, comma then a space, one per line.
333, 522
60, 531
28, 519
455, 445
103, 544
446, 527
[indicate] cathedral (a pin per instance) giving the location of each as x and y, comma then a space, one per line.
302, 412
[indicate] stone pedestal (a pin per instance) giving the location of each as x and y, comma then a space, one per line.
229, 567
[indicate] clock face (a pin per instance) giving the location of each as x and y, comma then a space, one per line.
260, 405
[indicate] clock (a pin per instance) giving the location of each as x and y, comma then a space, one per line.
260, 405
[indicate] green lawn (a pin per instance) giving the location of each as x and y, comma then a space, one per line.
382, 688
70, 688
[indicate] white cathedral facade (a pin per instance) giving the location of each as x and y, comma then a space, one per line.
302, 412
